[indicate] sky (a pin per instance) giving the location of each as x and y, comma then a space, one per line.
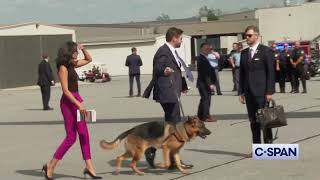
113, 11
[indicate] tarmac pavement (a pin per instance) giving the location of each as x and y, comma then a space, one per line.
30, 136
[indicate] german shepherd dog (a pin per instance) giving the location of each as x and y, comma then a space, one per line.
169, 137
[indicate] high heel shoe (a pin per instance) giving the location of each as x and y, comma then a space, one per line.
87, 172
45, 169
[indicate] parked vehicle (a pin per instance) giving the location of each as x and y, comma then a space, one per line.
97, 73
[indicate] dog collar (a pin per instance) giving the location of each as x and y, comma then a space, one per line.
181, 133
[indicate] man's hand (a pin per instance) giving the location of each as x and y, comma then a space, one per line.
52, 83
168, 71
212, 87
242, 100
269, 98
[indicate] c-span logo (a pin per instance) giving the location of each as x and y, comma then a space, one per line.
275, 151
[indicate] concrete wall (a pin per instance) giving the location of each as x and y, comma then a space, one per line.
295, 23
227, 41
31, 30
238, 16
114, 56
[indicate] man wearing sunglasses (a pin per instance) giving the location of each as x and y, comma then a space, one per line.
257, 81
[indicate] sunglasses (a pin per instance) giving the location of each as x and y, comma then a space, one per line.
249, 35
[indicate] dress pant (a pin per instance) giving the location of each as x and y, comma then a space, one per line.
171, 112
237, 78
45, 93
131, 77
205, 101
218, 87
282, 80
172, 115
234, 80
299, 72
253, 104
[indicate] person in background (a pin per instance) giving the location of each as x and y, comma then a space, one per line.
213, 58
205, 83
230, 60
297, 63
235, 63
134, 62
45, 81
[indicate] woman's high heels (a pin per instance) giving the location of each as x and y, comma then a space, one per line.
45, 169
87, 172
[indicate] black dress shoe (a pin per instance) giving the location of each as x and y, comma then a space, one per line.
304, 92
150, 155
183, 165
87, 172
48, 109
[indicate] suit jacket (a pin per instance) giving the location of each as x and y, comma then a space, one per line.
134, 62
165, 88
206, 73
45, 75
257, 76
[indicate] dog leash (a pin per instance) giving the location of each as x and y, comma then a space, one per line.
179, 101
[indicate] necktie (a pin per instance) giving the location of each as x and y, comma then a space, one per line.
188, 72
250, 54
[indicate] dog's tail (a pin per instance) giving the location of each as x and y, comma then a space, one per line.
111, 145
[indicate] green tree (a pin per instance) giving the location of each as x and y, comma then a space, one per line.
163, 17
210, 13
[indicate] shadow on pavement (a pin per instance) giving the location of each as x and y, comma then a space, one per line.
38, 173
218, 152
33, 109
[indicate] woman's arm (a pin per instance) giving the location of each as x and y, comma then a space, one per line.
87, 58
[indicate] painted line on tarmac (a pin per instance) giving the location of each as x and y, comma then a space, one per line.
240, 159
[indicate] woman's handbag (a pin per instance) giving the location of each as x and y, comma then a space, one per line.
271, 117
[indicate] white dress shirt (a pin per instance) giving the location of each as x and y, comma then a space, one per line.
253, 49
173, 50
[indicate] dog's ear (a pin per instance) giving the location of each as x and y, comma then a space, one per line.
192, 121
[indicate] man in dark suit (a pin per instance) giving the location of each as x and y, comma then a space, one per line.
167, 83
134, 62
205, 83
257, 81
45, 80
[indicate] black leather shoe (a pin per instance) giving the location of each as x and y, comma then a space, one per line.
48, 109
183, 165
150, 155
87, 172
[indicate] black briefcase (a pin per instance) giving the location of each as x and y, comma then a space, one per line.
271, 117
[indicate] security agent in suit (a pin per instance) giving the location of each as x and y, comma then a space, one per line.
205, 83
298, 71
280, 74
167, 84
257, 81
45, 80
134, 62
